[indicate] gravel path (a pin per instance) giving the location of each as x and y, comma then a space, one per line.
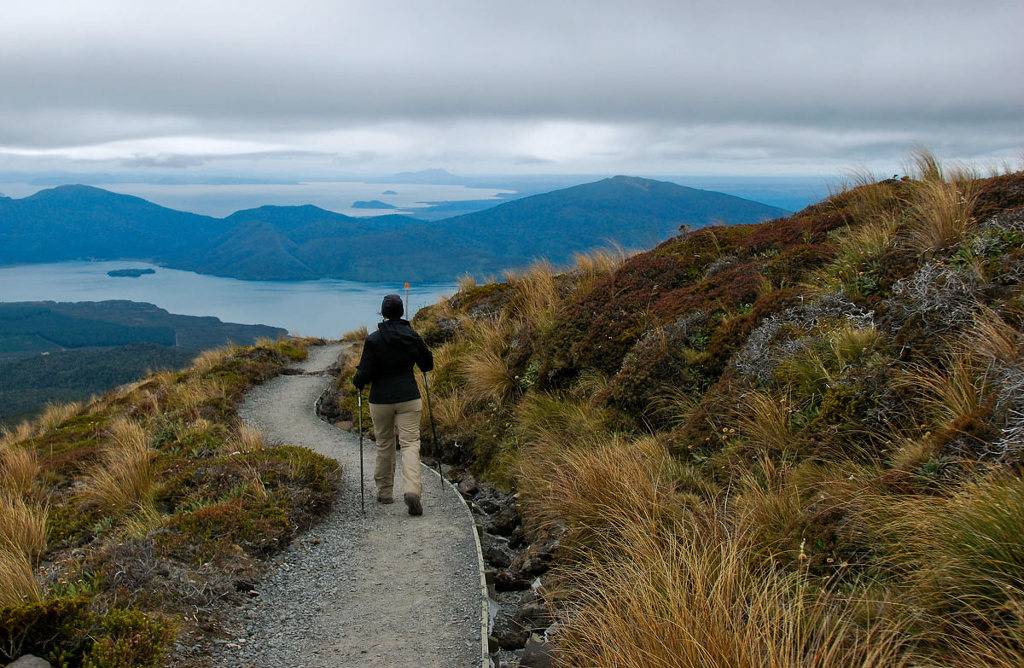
380, 589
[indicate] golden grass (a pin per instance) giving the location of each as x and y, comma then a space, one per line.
122, 482
248, 439
534, 296
764, 420
208, 360
451, 411
22, 526
487, 377
54, 415
952, 393
22, 432
189, 396
18, 584
597, 487
466, 282
993, 339
19, 469
128, 435
689, 596
356, 335
597, 264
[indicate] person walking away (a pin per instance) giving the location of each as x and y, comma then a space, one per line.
387, 367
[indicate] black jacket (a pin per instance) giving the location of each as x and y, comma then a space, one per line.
386, 364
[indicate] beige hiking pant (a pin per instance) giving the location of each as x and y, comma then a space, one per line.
405, 418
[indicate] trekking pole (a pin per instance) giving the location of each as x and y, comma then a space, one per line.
362, 483
433, 429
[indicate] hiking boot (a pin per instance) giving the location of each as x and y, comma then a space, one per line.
384, 499
414, 505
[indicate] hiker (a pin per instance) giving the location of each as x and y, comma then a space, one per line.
386, 365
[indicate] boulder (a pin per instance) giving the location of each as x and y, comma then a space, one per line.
508, 630
496, 551
538, 653
468, 486
30, 661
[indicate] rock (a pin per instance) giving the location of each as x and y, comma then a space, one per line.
536, 558
509, 580
30, 661
503, 522
508, 631
496, 551
537, 653
492, 645
468, 486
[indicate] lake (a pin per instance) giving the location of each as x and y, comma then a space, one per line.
325, 307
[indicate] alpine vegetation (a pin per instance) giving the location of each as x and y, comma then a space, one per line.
792, 443
129, 522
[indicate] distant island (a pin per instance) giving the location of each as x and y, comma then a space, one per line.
389, 192
372, 204
130, 273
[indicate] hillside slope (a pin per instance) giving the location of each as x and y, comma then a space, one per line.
791, 443
67, 351
306, 242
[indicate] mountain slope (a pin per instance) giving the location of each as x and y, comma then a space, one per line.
306, 242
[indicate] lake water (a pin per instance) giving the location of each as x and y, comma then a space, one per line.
325, 307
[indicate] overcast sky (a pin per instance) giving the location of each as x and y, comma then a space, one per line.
320, 88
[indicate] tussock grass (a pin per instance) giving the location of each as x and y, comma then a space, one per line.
357, 335
588, 268
466, 282
208, 360
558, 420
993, 339
964, 552
54, 415
952, 393
857, 247
764, 420
18, 584
189, 396
22, 527
598, 487
128, 435
23, 431
691, 596
19, 469
534, 296
248, 439
123, 482
942, 204
487, 376
451, 411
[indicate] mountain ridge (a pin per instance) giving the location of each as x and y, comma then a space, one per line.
274, 242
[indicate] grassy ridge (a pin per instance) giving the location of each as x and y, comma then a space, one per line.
790, 443
127, 521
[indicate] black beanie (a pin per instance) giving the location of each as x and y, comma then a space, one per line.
391, 307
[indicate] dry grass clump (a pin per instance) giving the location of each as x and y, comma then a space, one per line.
18, 584
952, 393
451, 411
55, 415
22, 527
690, 595
963, 554
764, 420
598, 487
19, 469
124, 479
487, 376
248, 439
595, 265
189, 396
128, 435
942, 204
22, 432
357, 335
534, 296
208, 360
466, 282
856, 248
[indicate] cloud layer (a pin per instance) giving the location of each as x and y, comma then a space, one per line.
330, 87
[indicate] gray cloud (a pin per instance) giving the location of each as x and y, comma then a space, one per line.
653, 86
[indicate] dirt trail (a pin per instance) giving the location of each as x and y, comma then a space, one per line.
380, 589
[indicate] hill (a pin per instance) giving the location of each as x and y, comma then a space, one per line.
797, 442
123, 516
306, 242
59, 351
